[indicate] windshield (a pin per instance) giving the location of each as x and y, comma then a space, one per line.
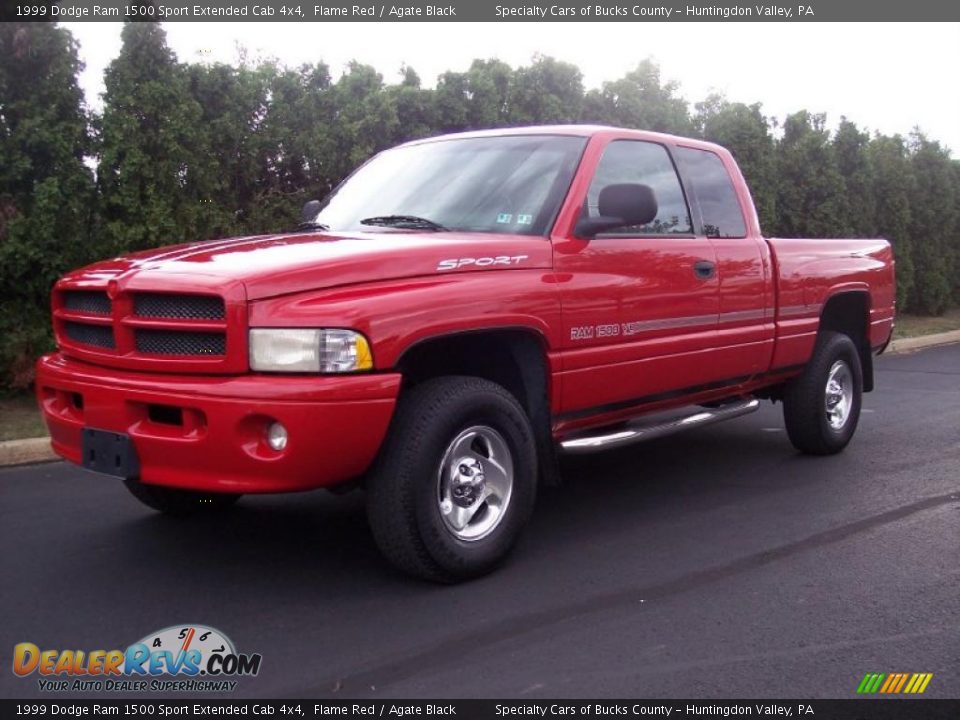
510, 185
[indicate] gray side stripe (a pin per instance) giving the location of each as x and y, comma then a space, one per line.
794, 310
629, 329
740, 315
633, 328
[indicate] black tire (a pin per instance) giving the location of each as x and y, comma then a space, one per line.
805, 398
173, 501
404, 486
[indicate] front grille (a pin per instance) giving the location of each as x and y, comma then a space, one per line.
97, 335
151, 328
174, 342
186, 307
87, 301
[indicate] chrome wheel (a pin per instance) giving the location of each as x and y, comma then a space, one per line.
475, 482
839, 395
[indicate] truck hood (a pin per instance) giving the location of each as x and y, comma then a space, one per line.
272, 265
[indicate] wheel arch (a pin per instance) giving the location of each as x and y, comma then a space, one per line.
848, 312
514, 357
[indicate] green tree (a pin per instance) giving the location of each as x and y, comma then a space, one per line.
298, 155
451, 100
151, 165
639, 100
488, 93
891, 182
366, 119
46, 190
233, 104
853, 161
547, 91
475, 99
933, 224
414, 106
811, 200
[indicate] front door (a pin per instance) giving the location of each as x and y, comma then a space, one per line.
640, 304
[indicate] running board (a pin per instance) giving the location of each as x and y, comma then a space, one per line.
639, 433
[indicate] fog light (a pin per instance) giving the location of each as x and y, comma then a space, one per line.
276, 436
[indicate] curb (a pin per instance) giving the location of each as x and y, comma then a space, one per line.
911, 344
24, 452
36, 450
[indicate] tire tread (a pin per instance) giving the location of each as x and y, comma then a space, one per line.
803, 395
391, 483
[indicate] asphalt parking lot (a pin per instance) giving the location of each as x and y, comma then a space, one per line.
717, 564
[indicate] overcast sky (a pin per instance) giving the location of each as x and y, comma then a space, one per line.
887, 77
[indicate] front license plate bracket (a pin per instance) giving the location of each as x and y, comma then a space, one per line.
110, 453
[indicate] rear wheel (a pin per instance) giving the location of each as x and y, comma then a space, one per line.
821, 407
456, 480
174, 501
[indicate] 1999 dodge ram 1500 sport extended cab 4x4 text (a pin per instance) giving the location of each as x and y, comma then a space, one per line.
448, 320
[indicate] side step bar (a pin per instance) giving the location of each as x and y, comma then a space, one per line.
638, 433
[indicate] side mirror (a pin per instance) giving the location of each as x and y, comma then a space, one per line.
622, 205
310, 210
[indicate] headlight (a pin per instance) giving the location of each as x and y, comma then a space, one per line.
300, 350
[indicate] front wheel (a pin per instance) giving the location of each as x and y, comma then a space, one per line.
821, 407
456, 480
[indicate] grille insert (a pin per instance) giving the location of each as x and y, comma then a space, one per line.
174, 342
184, 307
96, 335
87, 301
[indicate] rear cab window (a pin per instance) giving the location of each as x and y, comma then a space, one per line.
714, 192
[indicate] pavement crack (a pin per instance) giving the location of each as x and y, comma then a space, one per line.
451, 651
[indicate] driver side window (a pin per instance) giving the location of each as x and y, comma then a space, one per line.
645, 163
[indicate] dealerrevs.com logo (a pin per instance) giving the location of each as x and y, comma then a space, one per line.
184, 658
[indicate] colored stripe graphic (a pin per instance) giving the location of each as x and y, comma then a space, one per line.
894, 683
918, 683
870, 683
903, 680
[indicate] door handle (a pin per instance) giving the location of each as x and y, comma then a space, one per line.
704, 269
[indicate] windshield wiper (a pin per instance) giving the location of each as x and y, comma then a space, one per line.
411, 222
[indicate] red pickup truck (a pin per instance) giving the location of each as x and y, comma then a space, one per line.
455, 315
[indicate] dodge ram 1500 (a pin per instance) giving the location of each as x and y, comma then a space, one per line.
453, 317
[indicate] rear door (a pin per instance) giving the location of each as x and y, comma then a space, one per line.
745, 333
639, 304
